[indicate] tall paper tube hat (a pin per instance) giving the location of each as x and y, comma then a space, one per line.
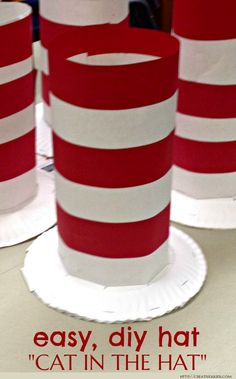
60, 16
205, 144
113, 108
21, 192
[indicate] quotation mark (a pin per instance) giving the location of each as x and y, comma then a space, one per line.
31, 357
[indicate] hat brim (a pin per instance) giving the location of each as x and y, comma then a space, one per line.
203, 213
34, 218
46, 276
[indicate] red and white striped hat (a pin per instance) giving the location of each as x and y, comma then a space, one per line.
60, 16
113, 109
205, 143
20, 195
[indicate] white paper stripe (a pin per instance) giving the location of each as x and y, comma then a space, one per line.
114, 205
47, 114
211, 62
17, 191
206, 129
14, 12
112, 59
16, 71
44, 67
118, 129
204, 186
84, 12
114, 272
17, 125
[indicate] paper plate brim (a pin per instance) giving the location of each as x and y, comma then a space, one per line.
176, 285
44, 133
32, 219
203, 213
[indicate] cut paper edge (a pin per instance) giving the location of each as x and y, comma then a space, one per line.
34, 218
217, 213
173, 288
44, 133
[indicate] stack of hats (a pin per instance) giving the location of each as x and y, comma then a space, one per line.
205, 144
113, 110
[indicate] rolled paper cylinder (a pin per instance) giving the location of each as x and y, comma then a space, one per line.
113, 110
17, 135
205, 143
61, 16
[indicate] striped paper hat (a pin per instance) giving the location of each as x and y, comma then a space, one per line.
19, 191
113, 108
205, 143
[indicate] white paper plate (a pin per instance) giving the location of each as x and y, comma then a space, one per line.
176, 285
34, 218
44, 133
203, 213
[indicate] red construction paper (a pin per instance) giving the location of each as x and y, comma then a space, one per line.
205, 19
16, 41
124, 240
113, 168
49, 30
17, 156
207, 100
17, 95
114, 87
205, 157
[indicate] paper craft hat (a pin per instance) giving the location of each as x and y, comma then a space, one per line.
113, 102
205, 144
26, 194
60, 16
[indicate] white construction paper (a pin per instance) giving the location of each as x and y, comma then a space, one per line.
205, 129
34, 218
17, 124
44, 134
84, 12
16, 70
113, 129
211, 62
114, 204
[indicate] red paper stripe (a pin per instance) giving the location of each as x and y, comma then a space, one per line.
124, 240
50, 30
113, 168
206, 100
16, 41
46, 88
205, 19
17, 95
17, 157
205, 157
114, 87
